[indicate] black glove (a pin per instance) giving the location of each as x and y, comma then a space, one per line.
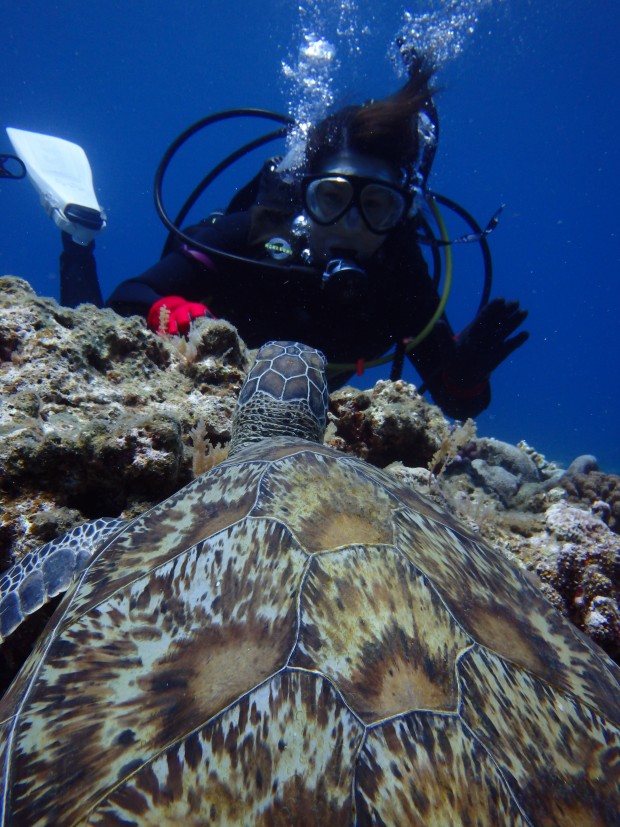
484, 343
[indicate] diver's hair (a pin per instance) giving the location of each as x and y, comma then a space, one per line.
386, 128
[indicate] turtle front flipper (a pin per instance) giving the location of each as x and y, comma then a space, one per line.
49, 571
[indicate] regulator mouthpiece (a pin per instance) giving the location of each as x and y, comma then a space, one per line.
344, 279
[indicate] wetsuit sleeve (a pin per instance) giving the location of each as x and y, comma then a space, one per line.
174, 274
433, 356
183, 272
432, 359
78, 274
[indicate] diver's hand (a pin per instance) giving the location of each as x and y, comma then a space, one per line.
176, 314
486, 342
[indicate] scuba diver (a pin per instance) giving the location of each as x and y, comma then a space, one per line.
324, 250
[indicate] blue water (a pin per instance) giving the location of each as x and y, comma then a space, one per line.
529, 118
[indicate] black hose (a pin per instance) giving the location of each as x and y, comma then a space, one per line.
173, 226
5, 172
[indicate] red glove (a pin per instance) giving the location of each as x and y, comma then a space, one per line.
181, 315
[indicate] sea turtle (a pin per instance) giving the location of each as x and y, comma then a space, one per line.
298, 638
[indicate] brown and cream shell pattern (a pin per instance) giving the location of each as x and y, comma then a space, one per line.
297, 638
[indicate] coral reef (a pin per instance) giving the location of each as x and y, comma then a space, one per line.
100, 417
577, 558
97, 412
597, 491
388, 423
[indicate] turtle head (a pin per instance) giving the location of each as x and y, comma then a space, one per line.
284, 394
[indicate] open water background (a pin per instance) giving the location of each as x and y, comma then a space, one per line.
529, 118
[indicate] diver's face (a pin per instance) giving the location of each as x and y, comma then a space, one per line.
349, 237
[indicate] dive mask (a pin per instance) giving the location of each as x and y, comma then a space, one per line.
327, 197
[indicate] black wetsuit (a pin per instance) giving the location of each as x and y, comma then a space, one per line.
394, 301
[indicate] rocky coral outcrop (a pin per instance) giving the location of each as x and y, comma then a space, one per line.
388, 423
96, 412
595, 490
100, 417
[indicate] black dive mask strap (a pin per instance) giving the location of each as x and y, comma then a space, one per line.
7, 172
